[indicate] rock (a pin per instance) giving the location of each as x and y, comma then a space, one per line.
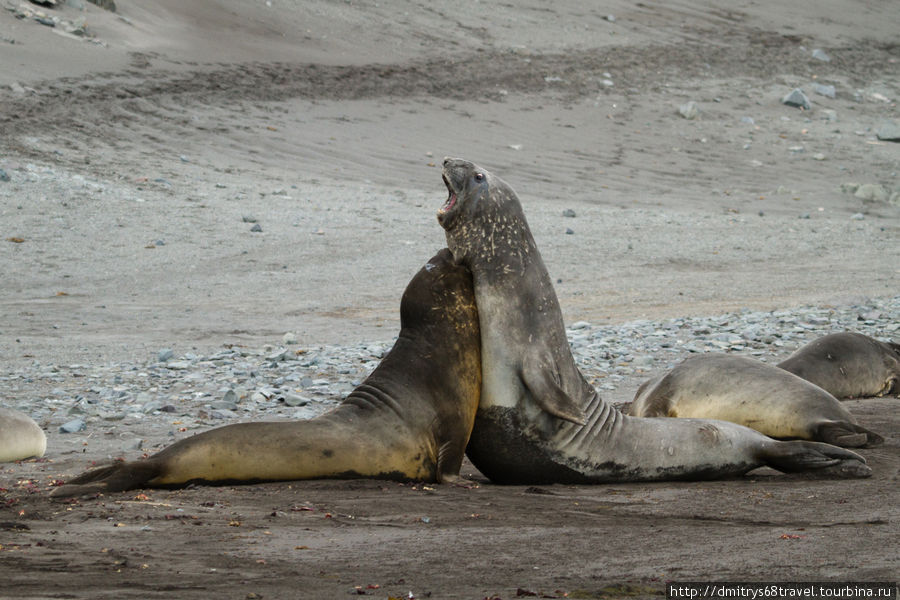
820, 54
256, 228
221, 413
872, 192
689, 110
289, 338
4, 176
829, 115
569, 231
248, 219
569, 213
109, 5
230, 397
73, 426
797, 99
748, 121
858, 217
889, 132
132, 445
292, 399
849, 188
165, 354
151, 407
824, 90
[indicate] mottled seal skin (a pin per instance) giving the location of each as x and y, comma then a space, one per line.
20, 436
409, 420
746, 391
539, 421
848, 365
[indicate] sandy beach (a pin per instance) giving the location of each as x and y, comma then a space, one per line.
140, 148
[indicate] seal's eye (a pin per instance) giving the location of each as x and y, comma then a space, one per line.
479, 176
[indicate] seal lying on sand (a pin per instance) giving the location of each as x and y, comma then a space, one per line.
20, 436
746, 391
409, 420
539, 421
848, 365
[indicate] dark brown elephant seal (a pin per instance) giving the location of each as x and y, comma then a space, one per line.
848, 365
20, 436
750, 392
539, 421
409, 420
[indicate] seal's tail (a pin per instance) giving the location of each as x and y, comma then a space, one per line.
114, 478
815, 458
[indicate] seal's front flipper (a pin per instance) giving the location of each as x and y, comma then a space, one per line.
449, 462
822, 459
847, 435
114, 478
542, 380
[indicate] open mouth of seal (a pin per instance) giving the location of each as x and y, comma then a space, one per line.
451, 198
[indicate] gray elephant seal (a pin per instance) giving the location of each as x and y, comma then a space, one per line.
539, 421
848, 365
409, 420
752, 393
20, 436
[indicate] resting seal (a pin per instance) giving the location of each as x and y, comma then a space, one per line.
752, 393
848, 365
539, 421
20, 436
409, 420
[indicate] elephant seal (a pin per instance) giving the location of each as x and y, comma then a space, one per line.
848, 365
539, 421
750, 392
409, 420
20, 436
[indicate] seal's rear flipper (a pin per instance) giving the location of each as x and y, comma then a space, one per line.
822, 459
847, 435
114, 478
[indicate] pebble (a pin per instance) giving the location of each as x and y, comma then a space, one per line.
797, 99
165, 354
824, 90
4, 176
73, 426
256, 228
820, 54
872, 192
889, 132
689, 110
275, 383
289, 339
569, 213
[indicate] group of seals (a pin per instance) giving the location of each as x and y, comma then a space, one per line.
539, 421
750, 392
512, 391
409, 420
20, 436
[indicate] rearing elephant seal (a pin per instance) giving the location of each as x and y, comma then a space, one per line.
20, 436
750, 392
539, 421
409, 420
848, 365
